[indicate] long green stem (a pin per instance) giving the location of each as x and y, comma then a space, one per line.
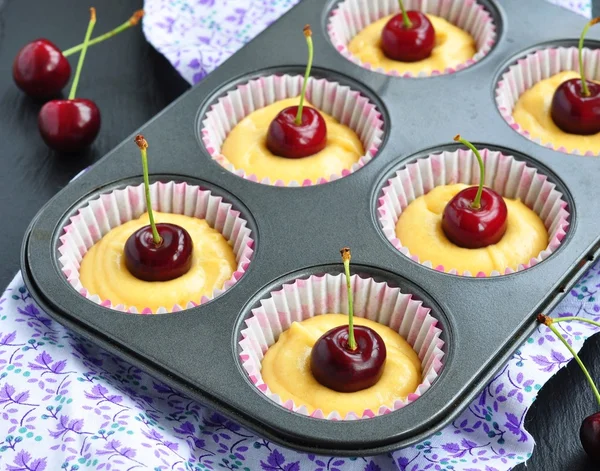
580, 319
346, 256
405, 18
134, 20
477, 201
584, 86
309, 43
86, 42
143, 145
548, 322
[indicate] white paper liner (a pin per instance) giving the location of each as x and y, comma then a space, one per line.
308, 297
347, 106
352, 16
110, 210
538, 66
503, 173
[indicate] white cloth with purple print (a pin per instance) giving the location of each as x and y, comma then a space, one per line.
68, 405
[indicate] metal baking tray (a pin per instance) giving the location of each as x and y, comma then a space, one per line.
484, 319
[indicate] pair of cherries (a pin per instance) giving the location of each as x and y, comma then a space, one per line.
41, 70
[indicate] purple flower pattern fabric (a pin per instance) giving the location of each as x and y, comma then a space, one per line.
66, 404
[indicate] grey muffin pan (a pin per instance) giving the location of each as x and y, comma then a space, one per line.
484, 319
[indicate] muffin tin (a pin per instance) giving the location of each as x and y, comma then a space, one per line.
298, 232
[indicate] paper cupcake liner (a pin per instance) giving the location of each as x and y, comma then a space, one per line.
533, 68
509, 177
347, 106
308, 297
113, 209
352, 16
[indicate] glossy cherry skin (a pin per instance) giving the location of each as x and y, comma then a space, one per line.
474, 228
337, 367
69, 125
40, 69
287, 139
169, 260
589, 435
404, 44
573, 112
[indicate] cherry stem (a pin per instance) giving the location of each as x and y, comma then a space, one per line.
86, 43
548, 322
584, 86
309, 43
143, 145
407, 23
134, 20
476, 204
580, 319
346, 256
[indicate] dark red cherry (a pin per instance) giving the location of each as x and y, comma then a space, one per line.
474, 228
166, 261
69, 125
589, 435
40, 69
287, 139
572, 111
337, 367
408, 44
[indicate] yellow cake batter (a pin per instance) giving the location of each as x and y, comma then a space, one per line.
286, 369
246, 148
103, 271
453, 46
532, 113
419, 228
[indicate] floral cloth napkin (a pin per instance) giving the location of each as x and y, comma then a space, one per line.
65, 404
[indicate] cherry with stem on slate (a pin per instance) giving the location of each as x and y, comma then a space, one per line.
157, 252
41, 69
71, 125
408, 36
348, 358
589, 432
575, 105
298, 131
477, 216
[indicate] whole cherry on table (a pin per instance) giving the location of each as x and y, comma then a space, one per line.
589, 431
71, 125
348, 358
298, 131
408, 36
41, 69
157, 252
575, 105
476, 216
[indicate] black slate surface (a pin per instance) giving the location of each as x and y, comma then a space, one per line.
130, 82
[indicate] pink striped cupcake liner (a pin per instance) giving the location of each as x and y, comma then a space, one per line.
352, 16
509, 177
538, 66
377, 301
347, 106
109, 210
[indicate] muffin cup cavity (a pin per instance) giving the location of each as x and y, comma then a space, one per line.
509, 177
352, 16
535, 67
94, 220
347, 106
307, 297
